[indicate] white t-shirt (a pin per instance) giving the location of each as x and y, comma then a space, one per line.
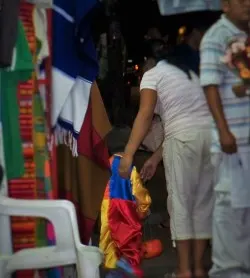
181, 102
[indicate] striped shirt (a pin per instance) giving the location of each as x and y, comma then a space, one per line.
181, 103
213, 72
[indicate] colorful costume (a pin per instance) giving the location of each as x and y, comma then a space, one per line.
125, 203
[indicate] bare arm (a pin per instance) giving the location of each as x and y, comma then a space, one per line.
143, 120
216, 108
212, 73
227, 139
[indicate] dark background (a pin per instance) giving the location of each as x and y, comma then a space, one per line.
137, 16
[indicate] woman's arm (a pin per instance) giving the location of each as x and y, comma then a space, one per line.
142, 122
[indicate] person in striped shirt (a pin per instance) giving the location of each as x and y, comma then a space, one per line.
230, 139
174, 92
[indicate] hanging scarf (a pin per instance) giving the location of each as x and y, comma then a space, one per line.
75, 67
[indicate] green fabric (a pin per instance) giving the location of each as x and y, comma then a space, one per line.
41, 158
20, 71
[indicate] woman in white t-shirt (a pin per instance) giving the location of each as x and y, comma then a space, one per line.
185, 152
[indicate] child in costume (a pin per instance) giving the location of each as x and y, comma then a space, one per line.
126, 203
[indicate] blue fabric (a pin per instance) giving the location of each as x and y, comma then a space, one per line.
74, 52
67, 126
114, 274
119, 188
125, 266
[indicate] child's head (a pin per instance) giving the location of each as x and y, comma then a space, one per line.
117, 140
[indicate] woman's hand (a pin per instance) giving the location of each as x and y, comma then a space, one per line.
228, 142
125, 166
149, 168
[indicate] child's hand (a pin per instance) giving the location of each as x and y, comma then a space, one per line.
148, 170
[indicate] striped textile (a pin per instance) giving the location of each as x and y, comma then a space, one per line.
24, 228
75, 67
44, 230
181, 103
214, 72
36, 183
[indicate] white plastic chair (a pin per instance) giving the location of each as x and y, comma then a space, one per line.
68, 249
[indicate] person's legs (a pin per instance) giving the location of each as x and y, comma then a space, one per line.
203, 206
199, 248
231, 237
231, 240
183, 254
179, 164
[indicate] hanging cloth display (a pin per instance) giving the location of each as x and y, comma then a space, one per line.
171, 7
79, 117
20, 71
41, 30
75, 68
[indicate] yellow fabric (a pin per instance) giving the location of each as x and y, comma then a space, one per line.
106, 243
140, 193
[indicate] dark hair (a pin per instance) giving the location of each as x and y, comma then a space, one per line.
158, 50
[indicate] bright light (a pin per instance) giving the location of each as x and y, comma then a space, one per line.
182, 30
136, 67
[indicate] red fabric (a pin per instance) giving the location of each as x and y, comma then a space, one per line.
91, 144
126, 230
138, 272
